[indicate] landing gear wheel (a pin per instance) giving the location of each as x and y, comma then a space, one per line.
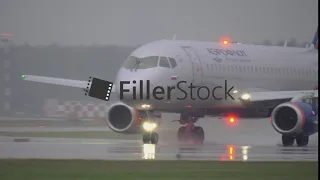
287, 140
150, 138
154, 138
181, 134
198, 134
302, 140
145, 138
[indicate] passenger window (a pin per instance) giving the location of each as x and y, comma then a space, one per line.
164, 62
173, 62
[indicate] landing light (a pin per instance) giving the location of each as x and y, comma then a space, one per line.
245, 96
145, 106
149, 126
235, 91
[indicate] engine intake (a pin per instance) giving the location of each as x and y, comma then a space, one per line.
291, 118
122, 118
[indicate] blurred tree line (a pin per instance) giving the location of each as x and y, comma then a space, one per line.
290, 43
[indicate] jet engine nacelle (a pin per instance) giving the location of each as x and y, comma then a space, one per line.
125, 119
122, 118
294, 118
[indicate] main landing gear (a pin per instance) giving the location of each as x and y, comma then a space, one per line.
301, 140
190, 132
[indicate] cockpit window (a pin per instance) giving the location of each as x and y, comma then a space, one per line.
173, 62
133, 62
164, 62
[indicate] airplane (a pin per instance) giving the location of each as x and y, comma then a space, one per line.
199, 78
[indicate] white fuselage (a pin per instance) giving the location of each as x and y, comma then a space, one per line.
210, 64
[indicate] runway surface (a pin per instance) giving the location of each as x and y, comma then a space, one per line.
51, 129
65, 148
250, 140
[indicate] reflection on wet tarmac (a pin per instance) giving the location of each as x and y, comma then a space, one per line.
225, 152
149, 151
134, 150
245, 152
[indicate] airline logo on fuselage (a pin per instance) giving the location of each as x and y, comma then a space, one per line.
225, 52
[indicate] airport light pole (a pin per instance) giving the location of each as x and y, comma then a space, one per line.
6, 74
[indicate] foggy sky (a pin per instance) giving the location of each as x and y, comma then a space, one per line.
131, 22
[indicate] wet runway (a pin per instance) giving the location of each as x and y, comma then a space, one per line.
249, 140
57, 148
51, 129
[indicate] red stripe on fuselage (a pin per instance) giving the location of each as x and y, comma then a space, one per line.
230, 107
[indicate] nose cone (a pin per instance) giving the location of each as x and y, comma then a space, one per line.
133, 85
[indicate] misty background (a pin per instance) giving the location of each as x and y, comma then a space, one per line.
76, 38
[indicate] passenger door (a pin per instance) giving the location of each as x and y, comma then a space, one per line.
196, 64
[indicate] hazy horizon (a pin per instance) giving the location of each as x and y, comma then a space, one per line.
120, 22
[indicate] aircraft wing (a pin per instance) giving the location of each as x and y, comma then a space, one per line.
275, 95
60, 81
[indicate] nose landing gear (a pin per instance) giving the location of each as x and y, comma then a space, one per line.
150, 138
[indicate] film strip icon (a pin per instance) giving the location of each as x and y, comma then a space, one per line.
98, 88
